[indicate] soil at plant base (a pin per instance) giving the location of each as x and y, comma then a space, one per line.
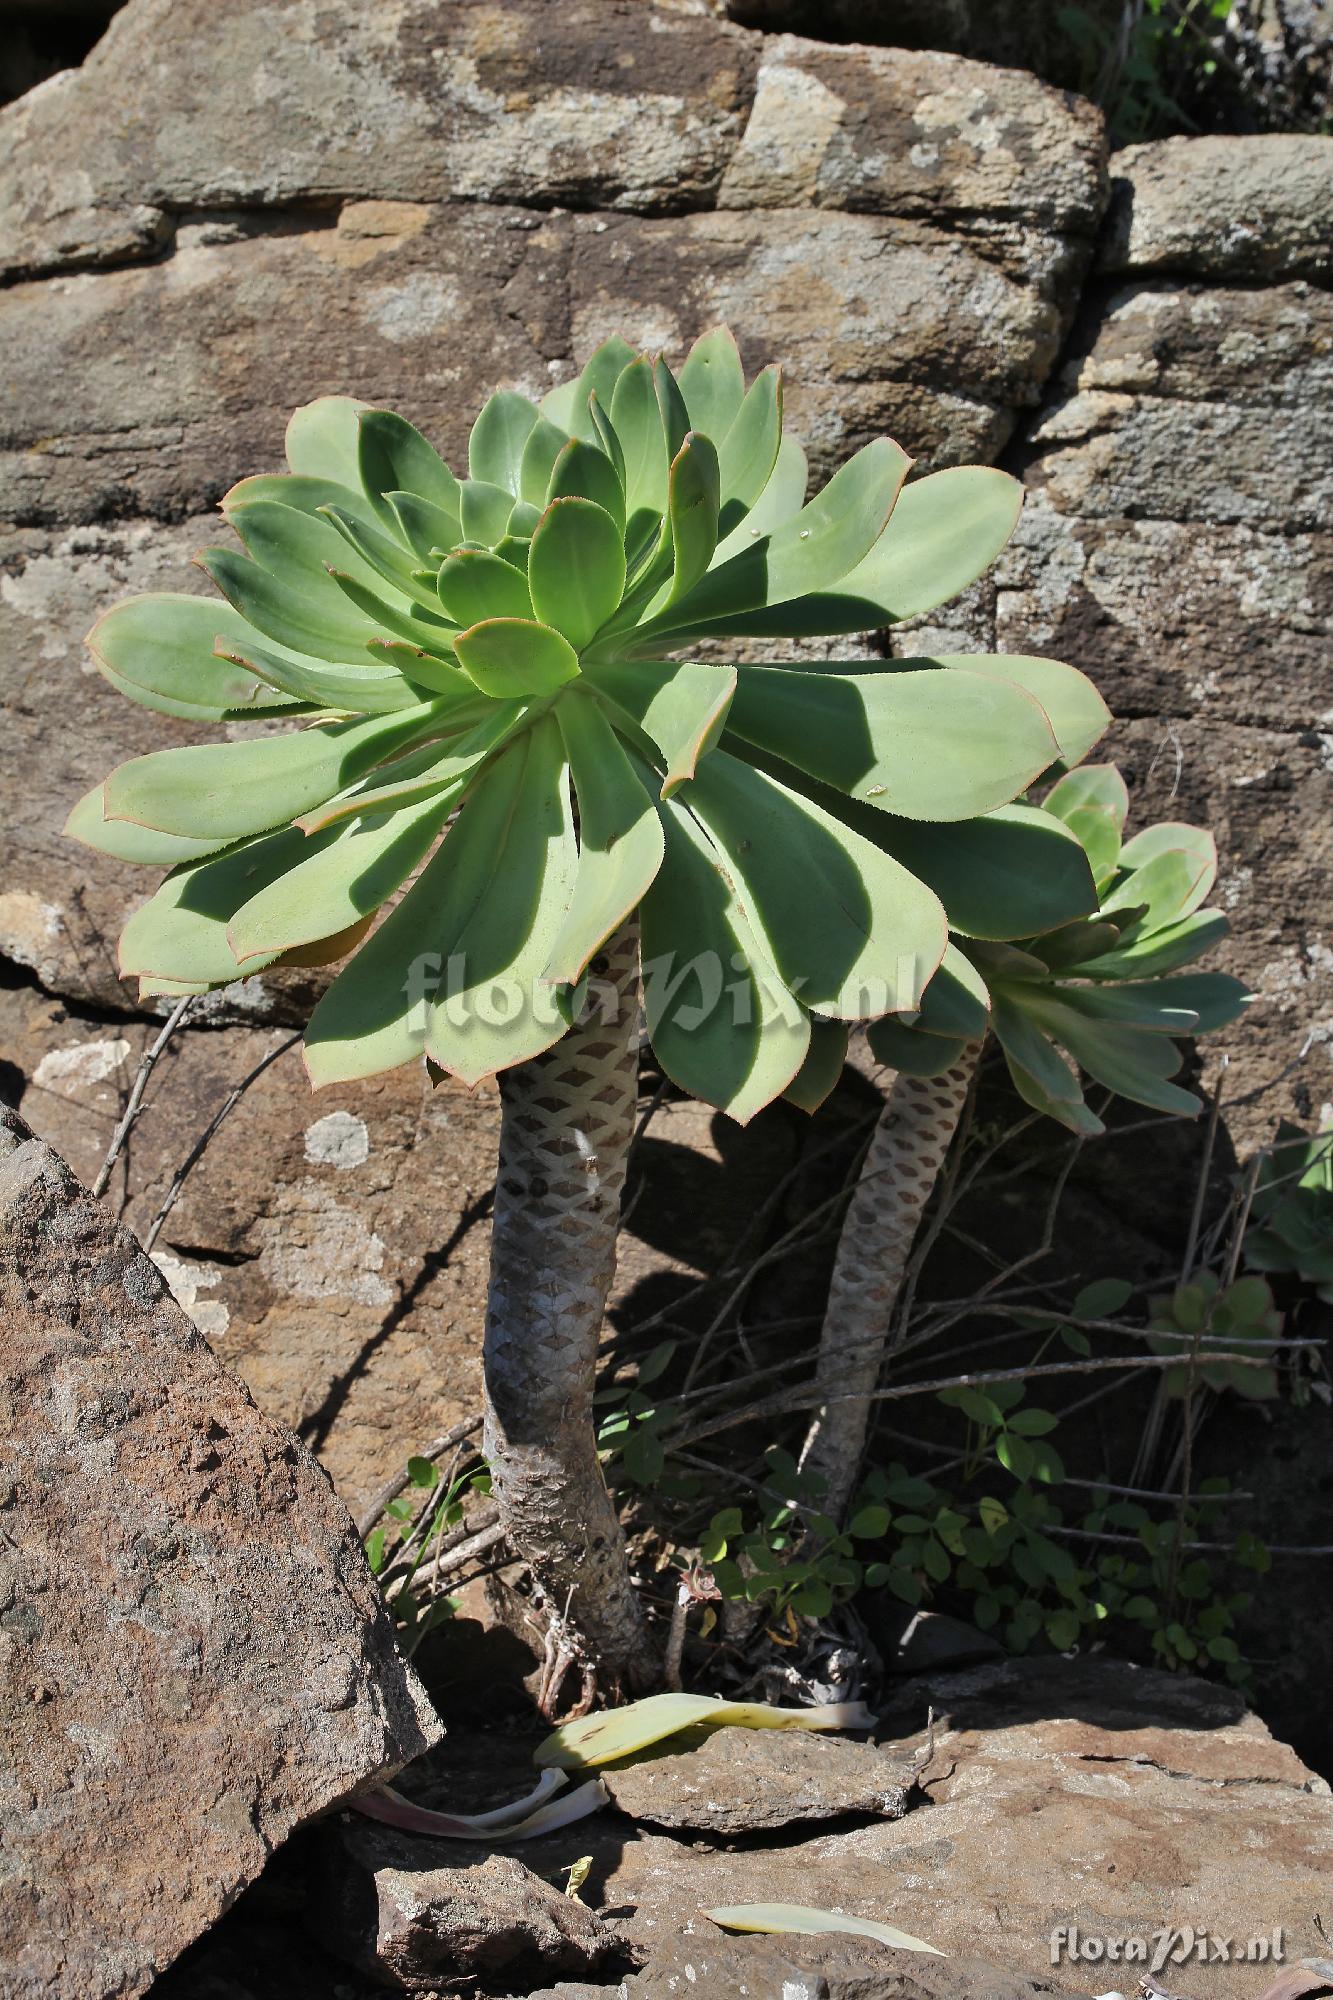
1082, 1794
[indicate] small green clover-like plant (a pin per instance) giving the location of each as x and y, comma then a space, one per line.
402, 1544
1006, 1563
1292, 1209
1004, 1559
793, 1558
488, 656
1204, 1315
632, 1426
1103, 994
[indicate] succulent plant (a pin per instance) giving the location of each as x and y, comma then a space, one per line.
490, 655
498, 763
1101, 995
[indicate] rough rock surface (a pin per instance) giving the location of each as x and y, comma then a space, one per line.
1089, 1793
333, 1246
883, 324
402, 1908
818, 1968
1081, 1793
734, 1781
920, 135
607, 103
1210, 208
1176, 544
196, 1657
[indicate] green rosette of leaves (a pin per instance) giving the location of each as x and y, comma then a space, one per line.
508, 730
1101, 997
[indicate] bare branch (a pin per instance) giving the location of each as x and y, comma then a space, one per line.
135, 1103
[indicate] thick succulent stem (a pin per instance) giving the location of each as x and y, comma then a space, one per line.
901, 1167
568, 1117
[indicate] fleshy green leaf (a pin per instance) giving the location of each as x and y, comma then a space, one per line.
722, 1025
182, 932
825, 1059
680, 705
333, 883
1136, 1004
568, 404
603, 433
291, 489
317, 622
1214, 997
1030, 1050
620, 838
420, 627
393, 457
747, 453
1077, 714
541, 448
576, 569
1134, 1064
499, 436
806, 553
423, 773
692, 511
386, 561
1099, 785
425, 527
637, 421
1169, 887
323, 440
235, 789
358, 690
782, 498
1163, 951
799, 1920
848, 930
159, 650
476, 584
1073, 1113
1154, 841
485, 509
505, 657
473, 904
712, 382
956, 1002
930, 746
1100, 839
671, 407
619, 1732
1012, 874
584, 472
906, 1048
945, 532
129, 842
502, 911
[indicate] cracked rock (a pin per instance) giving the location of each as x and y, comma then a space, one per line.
733, 1781
196, 1657
414, 1911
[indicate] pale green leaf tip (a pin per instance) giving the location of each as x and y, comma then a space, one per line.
802, 1920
